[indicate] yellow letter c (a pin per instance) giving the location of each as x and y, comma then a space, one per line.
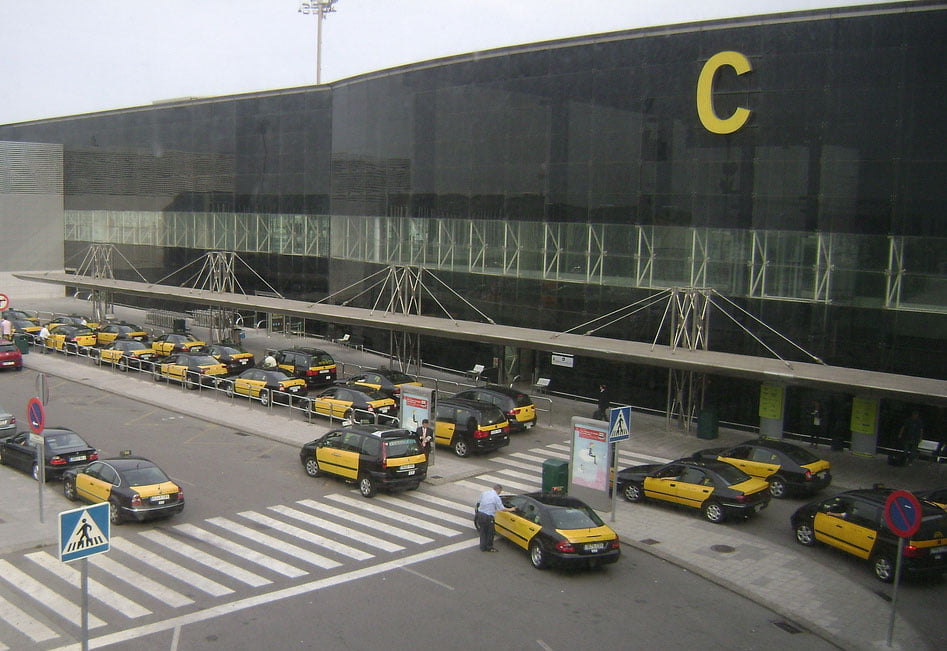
705, 86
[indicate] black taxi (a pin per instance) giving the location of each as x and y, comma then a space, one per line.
470, 425
854, 522
389, 459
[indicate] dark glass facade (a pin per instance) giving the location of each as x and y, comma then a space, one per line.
552, 183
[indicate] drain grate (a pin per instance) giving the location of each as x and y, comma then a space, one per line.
792, 629
723, 549
650, 541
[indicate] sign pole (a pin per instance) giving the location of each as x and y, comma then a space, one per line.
41, 466
614, 478
894, 596
85, 603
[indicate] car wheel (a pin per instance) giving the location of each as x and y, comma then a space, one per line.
777, 487
97, 360
805, 535
537, 555
883, 566
265, 398
69, 489
460, 448
312, 467
228, 389
632, 492
714, 512
366, 486
157, 376
190, 382
123, 365
349, 415
115, 513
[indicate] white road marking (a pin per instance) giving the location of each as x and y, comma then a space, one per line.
308, 536
45, 596
277, 595
373, 507
162, 564
140, 581
508, 485
440, 501
368, 522
427, 578
199, 556
417, 508
515, 474
240, 550
97, 591
31, 628
364, 538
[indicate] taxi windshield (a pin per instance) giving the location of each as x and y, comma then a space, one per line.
574, 517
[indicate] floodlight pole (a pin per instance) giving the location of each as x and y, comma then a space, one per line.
318, 8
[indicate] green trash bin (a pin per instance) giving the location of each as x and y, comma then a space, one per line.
555, 476
22, 341
707, 423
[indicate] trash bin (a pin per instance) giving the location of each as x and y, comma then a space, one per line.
22, 341
179, 325
555, 476
707, 423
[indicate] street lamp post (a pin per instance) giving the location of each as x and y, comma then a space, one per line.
318, 8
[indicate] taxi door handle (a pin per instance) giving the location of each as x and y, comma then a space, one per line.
672, 484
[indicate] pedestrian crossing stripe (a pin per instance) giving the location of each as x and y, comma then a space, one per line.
83, 532
620, 430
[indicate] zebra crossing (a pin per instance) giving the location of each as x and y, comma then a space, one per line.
153, 573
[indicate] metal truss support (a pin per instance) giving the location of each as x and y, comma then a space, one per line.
404, 298
824, 267
895, 272
98, 264
699, 258
217, 275
759, 261
690, 326
644, 258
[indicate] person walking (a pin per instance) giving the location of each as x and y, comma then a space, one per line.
910, 436
425, 438
487, 508
604, 403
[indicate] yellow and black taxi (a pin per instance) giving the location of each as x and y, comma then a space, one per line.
235, 359
70, 338
63, 449
115, 331
265, 385
468, 426
135, 488
176, 342
71, 319
354, 403
518, 406
20, 315
314, 365
190, 369
788, 468
26, 326
386, 380
717, 489
937, 496
387, 459
556, 531
854, 522
125, 353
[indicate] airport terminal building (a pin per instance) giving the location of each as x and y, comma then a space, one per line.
794, 164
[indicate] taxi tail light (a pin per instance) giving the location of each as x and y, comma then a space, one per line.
136, 500
912, 551
809, 476
57, 461
743, 498
615, 544
93, 456
180, 495
565, 546
384, 456
480, 434
310, 372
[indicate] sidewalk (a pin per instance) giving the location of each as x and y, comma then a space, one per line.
803, 591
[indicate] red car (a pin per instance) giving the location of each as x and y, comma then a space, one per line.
10, 356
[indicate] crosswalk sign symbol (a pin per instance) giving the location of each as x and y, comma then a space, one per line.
618, 429
83, 532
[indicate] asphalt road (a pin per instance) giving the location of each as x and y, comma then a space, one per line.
443, 594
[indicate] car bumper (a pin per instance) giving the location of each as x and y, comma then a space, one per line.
485, 445
143, 513
562, 559
521, 425
804, 487
402, 480
744, 510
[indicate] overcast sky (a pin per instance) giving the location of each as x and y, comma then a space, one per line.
61, 57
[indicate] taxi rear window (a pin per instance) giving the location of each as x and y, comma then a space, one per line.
522, 400
564, 517
731, 474
145, 476
322, 360
403, 447
492, 417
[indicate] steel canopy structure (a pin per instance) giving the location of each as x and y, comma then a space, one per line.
847, 380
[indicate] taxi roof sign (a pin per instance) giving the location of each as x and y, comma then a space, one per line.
84, 532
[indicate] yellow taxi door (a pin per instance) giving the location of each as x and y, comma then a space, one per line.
693, 488
335, 458
444, 432
92, 489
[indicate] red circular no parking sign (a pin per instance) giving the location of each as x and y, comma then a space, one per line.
4, 302
903, 513
36, 414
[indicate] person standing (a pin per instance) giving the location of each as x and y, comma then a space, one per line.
910, 435
43, 335
487, 508
6, 328
425, 438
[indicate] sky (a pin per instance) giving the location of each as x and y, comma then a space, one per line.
63, 57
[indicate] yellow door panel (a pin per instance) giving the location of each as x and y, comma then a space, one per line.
338, 462
692, 495
516, 528
661, 489
444, 433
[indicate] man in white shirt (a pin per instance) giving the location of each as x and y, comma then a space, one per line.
487, 508
42, 336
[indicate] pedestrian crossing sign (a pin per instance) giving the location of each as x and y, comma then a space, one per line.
83, 532
619, 420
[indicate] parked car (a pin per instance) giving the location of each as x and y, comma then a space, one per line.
314, 365
233, 358
175, 342
190, 369
854, 522
63, 449
788, 468
135, 488
10, 356
388, 459
518, 406
717, 489
353, 403
70, 338
556, 530
21, 315
7, 422
119, 330
936, 496
469, 425
125, 353
265, 385
386, 380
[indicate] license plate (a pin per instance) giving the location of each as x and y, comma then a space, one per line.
822, 474
410, 472
383, 410
496, 431
939, 550
8, 363
243, 361
79, 457
160, 499
407, 466
594, 547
